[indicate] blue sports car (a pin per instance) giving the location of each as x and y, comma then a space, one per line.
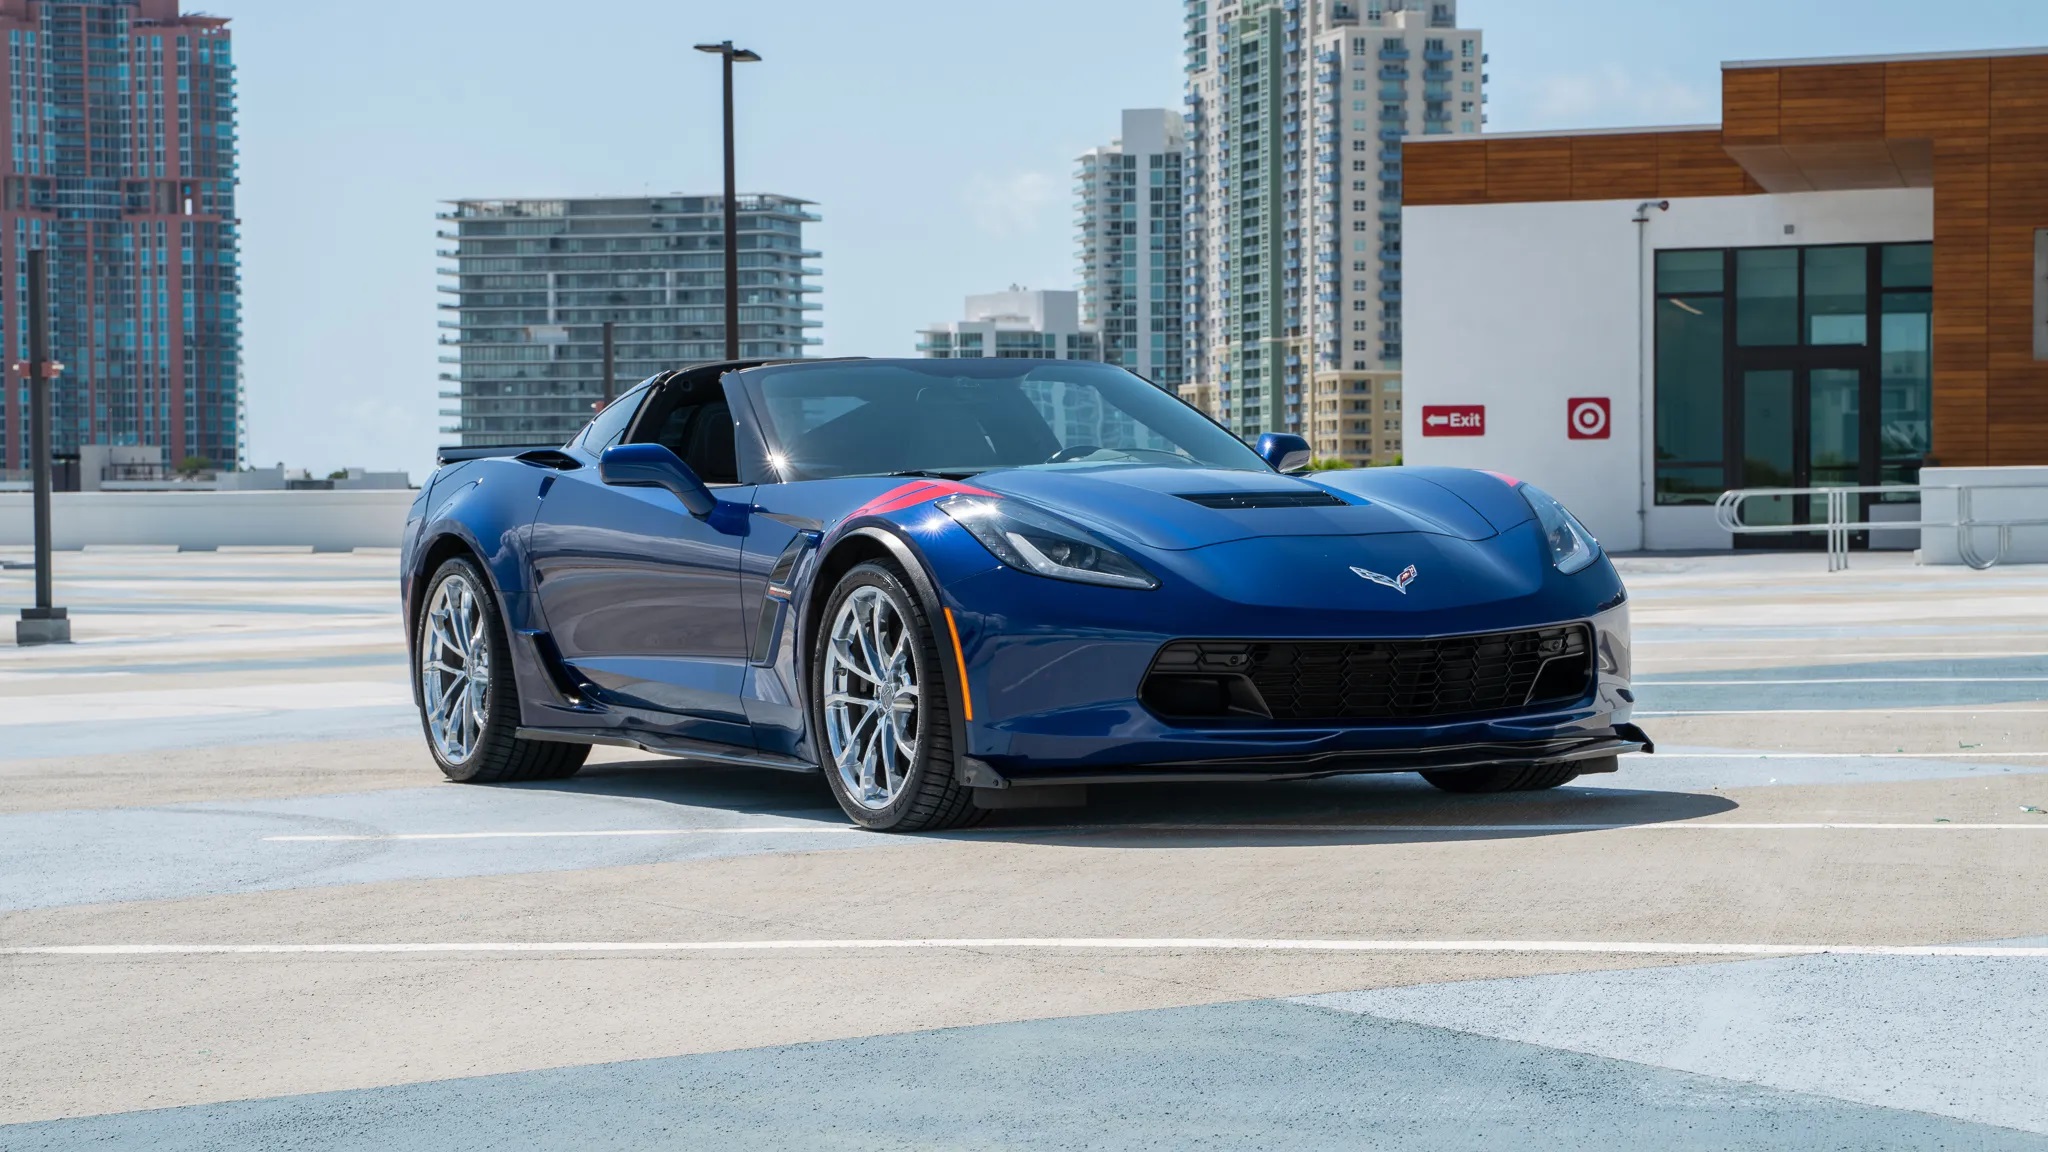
959, 585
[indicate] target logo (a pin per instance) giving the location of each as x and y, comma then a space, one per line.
1589, 418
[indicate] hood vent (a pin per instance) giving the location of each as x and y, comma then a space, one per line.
1291, 499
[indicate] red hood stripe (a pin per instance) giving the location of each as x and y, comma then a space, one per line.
914, 493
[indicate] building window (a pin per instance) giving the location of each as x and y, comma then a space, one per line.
1791, 367
1691, 314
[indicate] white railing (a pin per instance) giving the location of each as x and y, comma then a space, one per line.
1841, 521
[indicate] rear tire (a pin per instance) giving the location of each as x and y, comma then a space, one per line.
1504, 777
876, 678
463, 683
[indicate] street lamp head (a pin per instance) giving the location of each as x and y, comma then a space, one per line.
737, 55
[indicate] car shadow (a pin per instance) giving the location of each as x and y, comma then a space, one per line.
1379, 808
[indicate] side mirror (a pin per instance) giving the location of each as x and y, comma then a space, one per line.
1285, 451
654, 466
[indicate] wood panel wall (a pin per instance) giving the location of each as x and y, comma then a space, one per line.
1977, 129
1607, 166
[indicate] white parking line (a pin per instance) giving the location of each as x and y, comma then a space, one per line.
1069, 943
1841, 755
766, 829
1835, 657
1987, 710
1376, 829
1849, 680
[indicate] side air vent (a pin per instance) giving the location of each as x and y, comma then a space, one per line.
1262, 499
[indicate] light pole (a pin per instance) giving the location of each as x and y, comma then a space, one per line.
731, 56
45, 623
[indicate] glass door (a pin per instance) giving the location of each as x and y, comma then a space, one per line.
1801, 427
1767, 442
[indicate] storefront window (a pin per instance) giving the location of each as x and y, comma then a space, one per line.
1908, 265
1907, 392
1691, 330
1767, 296
1837, 304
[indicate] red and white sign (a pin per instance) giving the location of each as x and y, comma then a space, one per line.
1587, 418
1454, 420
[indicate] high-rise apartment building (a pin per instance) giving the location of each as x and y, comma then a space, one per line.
121, 163
1296, 114
1021, 323
1132, 265
536, 281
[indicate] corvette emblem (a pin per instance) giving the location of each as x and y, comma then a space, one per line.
1397, 583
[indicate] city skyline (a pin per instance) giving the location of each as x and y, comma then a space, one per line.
122, 164
536, 280
948, 175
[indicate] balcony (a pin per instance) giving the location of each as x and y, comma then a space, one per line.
1394, 72
1390, 295
1390, 212
1438, 55
1436, 75
1392, 135
1394, 53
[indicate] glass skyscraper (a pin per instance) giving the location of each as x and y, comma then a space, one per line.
536, 280
1128, 222
1296, 114
121, 162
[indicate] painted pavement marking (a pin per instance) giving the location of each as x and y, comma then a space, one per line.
1653, 826
1048, 943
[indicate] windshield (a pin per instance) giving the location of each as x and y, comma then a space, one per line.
959, 417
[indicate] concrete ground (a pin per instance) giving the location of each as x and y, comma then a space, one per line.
238, 908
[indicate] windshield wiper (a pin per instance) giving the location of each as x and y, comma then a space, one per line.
938, 473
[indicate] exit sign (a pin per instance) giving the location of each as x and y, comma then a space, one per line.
1454, 420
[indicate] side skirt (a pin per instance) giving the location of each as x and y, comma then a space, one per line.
669, 746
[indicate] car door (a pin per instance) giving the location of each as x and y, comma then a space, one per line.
642, 599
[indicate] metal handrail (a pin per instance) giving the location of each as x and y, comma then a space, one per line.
1838, 525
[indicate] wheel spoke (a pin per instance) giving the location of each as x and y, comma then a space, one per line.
870, 642
848, 661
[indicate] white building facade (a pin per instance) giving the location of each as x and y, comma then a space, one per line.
1564, 320
1131, 262
1025, 323
1297, 114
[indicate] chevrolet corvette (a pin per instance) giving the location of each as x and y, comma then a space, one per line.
952, 586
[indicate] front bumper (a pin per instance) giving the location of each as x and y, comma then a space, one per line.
1058, 704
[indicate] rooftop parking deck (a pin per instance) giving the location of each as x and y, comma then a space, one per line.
228, 763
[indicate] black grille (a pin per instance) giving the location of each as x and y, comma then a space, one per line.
1350, 680
1262, 499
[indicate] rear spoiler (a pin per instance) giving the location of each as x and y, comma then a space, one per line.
449, 454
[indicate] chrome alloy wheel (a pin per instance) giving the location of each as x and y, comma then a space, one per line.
871, 698
455, 669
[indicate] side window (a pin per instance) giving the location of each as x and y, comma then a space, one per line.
610, 424
695, 422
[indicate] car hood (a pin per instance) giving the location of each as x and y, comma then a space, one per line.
1176, 509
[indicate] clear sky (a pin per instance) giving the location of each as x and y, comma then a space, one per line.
938, 139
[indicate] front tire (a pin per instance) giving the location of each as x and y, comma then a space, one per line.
462, 679
881, 715
1504, 777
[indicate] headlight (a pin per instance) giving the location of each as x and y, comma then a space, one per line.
1038, 542
1571, 546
